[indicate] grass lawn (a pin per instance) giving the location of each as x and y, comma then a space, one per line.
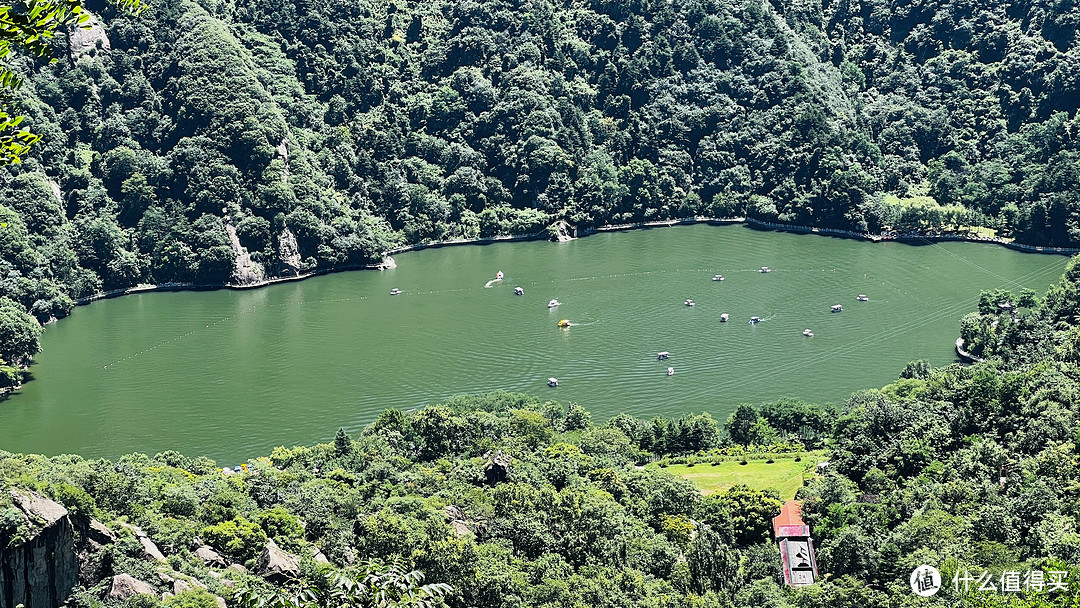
784, 475
980, 230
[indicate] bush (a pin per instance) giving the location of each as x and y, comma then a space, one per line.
77, 501
239, 539
192, 598
280, 525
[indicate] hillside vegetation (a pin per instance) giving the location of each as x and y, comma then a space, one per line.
324, 133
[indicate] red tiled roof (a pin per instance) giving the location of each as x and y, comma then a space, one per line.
789, 516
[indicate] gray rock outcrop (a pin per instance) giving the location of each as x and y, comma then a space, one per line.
289, 252
150, 550
497, 468
210, 557
455, 517
41, 570
82, 41
95, 536
125, 586
276, 565
246, 271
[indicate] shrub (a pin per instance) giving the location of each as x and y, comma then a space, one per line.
280, 525
192, 598
240, 539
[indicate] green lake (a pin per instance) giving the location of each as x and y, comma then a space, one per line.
231, 374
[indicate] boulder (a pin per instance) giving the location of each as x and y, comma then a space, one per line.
150, 550
99, 533
237, 568
220, 601
125, 586
42, 568
180, 586
455, 517
276, 565
210, 557
319, 557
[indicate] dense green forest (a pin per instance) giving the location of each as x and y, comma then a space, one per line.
515, 502
233, 140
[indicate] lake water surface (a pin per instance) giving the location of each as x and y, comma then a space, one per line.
231, 374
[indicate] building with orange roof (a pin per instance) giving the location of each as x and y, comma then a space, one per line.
796, 546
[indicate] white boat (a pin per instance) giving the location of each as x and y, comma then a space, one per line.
671, 371
395, 291
765, 269
553, 382
660, 356
755, 320
553, 303
519, 291
718, 277
499, 275
837, 308
808, 333
724, 317
689, 302
862, 297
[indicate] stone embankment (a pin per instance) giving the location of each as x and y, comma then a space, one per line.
388, 261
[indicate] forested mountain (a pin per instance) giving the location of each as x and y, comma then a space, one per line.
315, 135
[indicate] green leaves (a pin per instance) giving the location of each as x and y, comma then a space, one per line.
29, 26
376, 585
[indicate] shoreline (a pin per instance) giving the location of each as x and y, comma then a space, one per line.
388, 260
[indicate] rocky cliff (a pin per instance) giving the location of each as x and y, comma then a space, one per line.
40, 568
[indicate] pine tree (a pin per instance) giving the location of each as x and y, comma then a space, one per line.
342, 442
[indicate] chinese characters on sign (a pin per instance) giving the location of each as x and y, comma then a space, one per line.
925, 580
1011, 581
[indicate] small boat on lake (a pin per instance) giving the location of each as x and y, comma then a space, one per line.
499, 275
765, 269
808, 333
862, 297
395, 291
724, 317
718, 277
519, 291
837, 308
660, 356
563, 323
671, 371
553, 303
689, 302
553, 382
755, 320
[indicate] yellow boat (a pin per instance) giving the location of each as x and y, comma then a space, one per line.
564, 323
